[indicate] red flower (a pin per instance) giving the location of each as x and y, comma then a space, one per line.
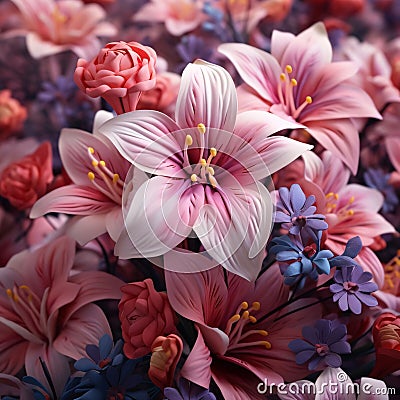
119, 73
145, 314
12, 114
26, 180
386, 333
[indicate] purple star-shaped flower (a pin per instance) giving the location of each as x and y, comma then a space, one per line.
296, 211
321, 345
352, 288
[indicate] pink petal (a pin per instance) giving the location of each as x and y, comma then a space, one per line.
249, 100
197, 366
374, 386
279, 43
39, 48
257, 68
340, 137
160, 216
234, 225
56, 363
74, 145
207, 95
86, 326
307, 52
144, 139
12, 351
100, 118
73, 199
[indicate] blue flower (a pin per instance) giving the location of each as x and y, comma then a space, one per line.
346, 259
321, 344
187, 390
296, 211
298, 262
101, 356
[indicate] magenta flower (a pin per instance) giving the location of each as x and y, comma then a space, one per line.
206, 168
238, 344
299, 82
52, 27
47, 313
98, 172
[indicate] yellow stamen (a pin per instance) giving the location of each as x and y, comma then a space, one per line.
115, 178
256, 305
293, 82
91, 175
102, 163
350, 212
202, 128
188, 140
267, 345
95, 163
289, 69
252, 319
244, 305
203, 162
9, 293
245, 315
336, 196
330, 194
193, 178
211, 171
91, 150
351, 200
282, 77
234, 318
213, 181
213, 151
308, 99
262, 332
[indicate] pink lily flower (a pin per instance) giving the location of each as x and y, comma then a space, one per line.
238, 345
52, 27
98, 172
298, 81
179, 16
46, 313
206, 168
336, 378
350, 209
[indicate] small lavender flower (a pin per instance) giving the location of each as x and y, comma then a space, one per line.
296, 211
377, 179
192, 47
346, 259
101, 356
353, 288
298, 262
187, 390
321, 345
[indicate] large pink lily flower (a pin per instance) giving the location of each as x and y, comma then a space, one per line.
206, 168
46, 313
299, 82
236, 345
350, 209
98, 172
52, 27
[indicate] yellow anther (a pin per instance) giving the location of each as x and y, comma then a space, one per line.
102, 163
336, 196
256, 305
351, 200
234, 318
282, 77
293, 82
213, 151
244, 305
308, 99
202, 128
246, 315
252, 319
193, 178
24, 287
267, 345
115, 178
203, 162
91, 150
329, 195
211, 171
289, 69
350, 212
9, 293
213, 181
91, 175
262, 332
188, 140
95, 163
